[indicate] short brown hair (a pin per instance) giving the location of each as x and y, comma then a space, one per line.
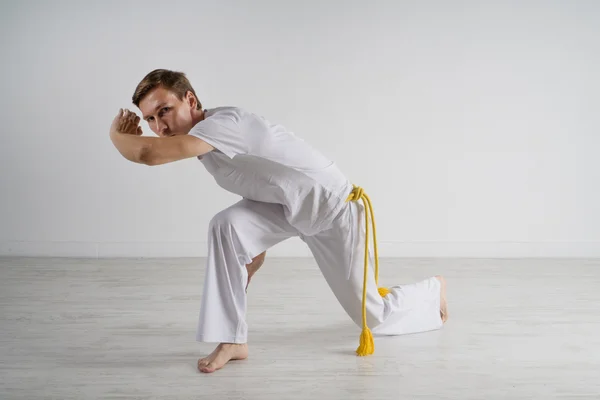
173, 81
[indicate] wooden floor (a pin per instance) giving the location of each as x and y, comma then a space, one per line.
125, 329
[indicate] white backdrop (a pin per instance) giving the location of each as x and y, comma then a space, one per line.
474, 126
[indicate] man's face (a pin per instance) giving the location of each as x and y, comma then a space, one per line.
166, 114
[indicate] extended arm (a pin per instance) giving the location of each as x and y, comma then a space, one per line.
157, 151
125, 132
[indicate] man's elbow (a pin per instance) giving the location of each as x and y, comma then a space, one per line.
147, 157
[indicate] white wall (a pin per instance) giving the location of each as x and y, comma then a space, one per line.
474, 126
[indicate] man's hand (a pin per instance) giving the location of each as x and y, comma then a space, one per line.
127, 137
123, 132
126, 122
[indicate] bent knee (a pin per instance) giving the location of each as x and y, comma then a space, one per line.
224, 232
376, 312
373, 320
225, 219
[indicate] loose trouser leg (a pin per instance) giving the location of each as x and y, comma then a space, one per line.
339, 252
236, 235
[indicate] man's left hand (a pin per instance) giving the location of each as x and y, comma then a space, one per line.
126, 122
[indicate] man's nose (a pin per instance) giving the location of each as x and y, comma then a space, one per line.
161, 127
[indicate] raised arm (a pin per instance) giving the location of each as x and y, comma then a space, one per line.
126, 136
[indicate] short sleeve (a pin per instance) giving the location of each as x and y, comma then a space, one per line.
222, 131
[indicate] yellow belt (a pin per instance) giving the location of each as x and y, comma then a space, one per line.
366, 346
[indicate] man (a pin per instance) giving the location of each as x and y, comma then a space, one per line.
288, 189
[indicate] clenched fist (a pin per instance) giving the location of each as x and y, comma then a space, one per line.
126, 122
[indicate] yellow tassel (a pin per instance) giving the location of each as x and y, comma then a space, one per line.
367, 346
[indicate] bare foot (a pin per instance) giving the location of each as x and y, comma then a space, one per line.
443, 302
256, 263
222, 354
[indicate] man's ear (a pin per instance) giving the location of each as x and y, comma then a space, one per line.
191, 99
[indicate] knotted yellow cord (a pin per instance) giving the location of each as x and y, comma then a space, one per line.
366, 346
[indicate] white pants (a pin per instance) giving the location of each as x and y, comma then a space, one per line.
247, 228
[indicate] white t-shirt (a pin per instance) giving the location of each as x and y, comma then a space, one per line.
262, 161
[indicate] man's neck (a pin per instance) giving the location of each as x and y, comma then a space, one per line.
198, 116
